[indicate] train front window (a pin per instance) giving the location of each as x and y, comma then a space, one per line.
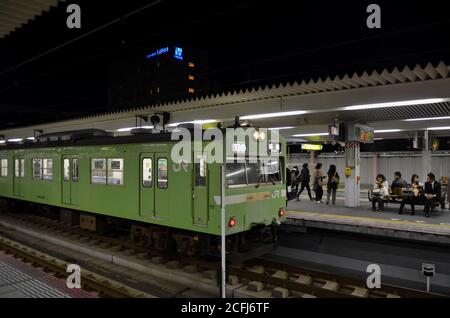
162, 173
272, 171
115, 171
4, 163
98, 175
236, 174
37, 168
147, 169
254, 172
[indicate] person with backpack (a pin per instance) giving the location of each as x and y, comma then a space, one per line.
304, 178
332, 184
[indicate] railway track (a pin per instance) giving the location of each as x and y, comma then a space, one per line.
92, 282
281, 280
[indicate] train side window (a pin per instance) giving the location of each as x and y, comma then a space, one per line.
22, 168
16, 168
163, 173
147, 170
115, 171
37, 168
98, 173
200, 172
75, 170
235, 174
66, 169
254, 172
4, 164
47, 171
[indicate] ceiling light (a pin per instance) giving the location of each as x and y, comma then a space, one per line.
271, 115
2, 141
195, 122
126, 129
311, 135
439, 128
397, 104
281, 128
15, 140
430, 118
30, 138
387, 131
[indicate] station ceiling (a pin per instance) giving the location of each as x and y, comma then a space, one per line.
15, 13
385, 100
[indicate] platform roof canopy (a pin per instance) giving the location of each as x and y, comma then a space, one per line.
15, 13
396, 102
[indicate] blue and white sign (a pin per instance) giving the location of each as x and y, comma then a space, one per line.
160, 51
178, 53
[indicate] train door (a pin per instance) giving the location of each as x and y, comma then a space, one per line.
200, 191
147, 186
162, 186
70, 177
19, 175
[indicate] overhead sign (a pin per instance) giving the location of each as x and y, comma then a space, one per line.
178, 53
312, 147
360, 133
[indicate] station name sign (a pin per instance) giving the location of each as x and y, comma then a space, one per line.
361, 133
312, 147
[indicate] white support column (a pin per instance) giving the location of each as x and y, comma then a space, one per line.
352, 183
375, 165
426, 156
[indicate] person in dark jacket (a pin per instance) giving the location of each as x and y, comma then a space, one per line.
332, 184
432, 194
304, 178
398, 182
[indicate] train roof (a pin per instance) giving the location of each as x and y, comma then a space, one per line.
91, 137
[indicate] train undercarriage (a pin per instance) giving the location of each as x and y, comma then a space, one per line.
240, 247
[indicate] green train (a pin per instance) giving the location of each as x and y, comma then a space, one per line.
98, 181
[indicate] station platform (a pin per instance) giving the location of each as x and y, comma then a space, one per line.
307, 214
18, 280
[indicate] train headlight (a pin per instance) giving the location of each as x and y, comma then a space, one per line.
282, 212
232, 222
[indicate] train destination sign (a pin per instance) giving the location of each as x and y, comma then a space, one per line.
360, 133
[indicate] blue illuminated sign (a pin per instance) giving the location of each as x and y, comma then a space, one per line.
178, 53
160, 51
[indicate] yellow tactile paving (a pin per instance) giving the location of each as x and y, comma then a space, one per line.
365, 220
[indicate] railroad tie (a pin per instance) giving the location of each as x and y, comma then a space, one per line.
281, 275
304, 279
330, 285
255, 286
360, 292
280, 292
257, 269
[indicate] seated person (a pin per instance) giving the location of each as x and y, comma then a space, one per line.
415, 189
398, 182
380, 192
432, 194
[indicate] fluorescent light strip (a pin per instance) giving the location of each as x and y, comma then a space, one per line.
430, 118
311, 135
131, 128
396, 104
383, 131
15, 140
2, 141
439, 128
195, 122
281, 128
271, 115
31, 138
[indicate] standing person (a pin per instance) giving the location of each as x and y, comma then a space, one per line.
296, 172
380, 192
332, 184
318, 177
304, 179
432, 194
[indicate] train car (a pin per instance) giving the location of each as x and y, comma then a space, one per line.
131, 182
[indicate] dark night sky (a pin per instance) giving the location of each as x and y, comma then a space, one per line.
73, 80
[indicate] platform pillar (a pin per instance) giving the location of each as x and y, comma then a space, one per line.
375, 166
352, 178
426, 157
